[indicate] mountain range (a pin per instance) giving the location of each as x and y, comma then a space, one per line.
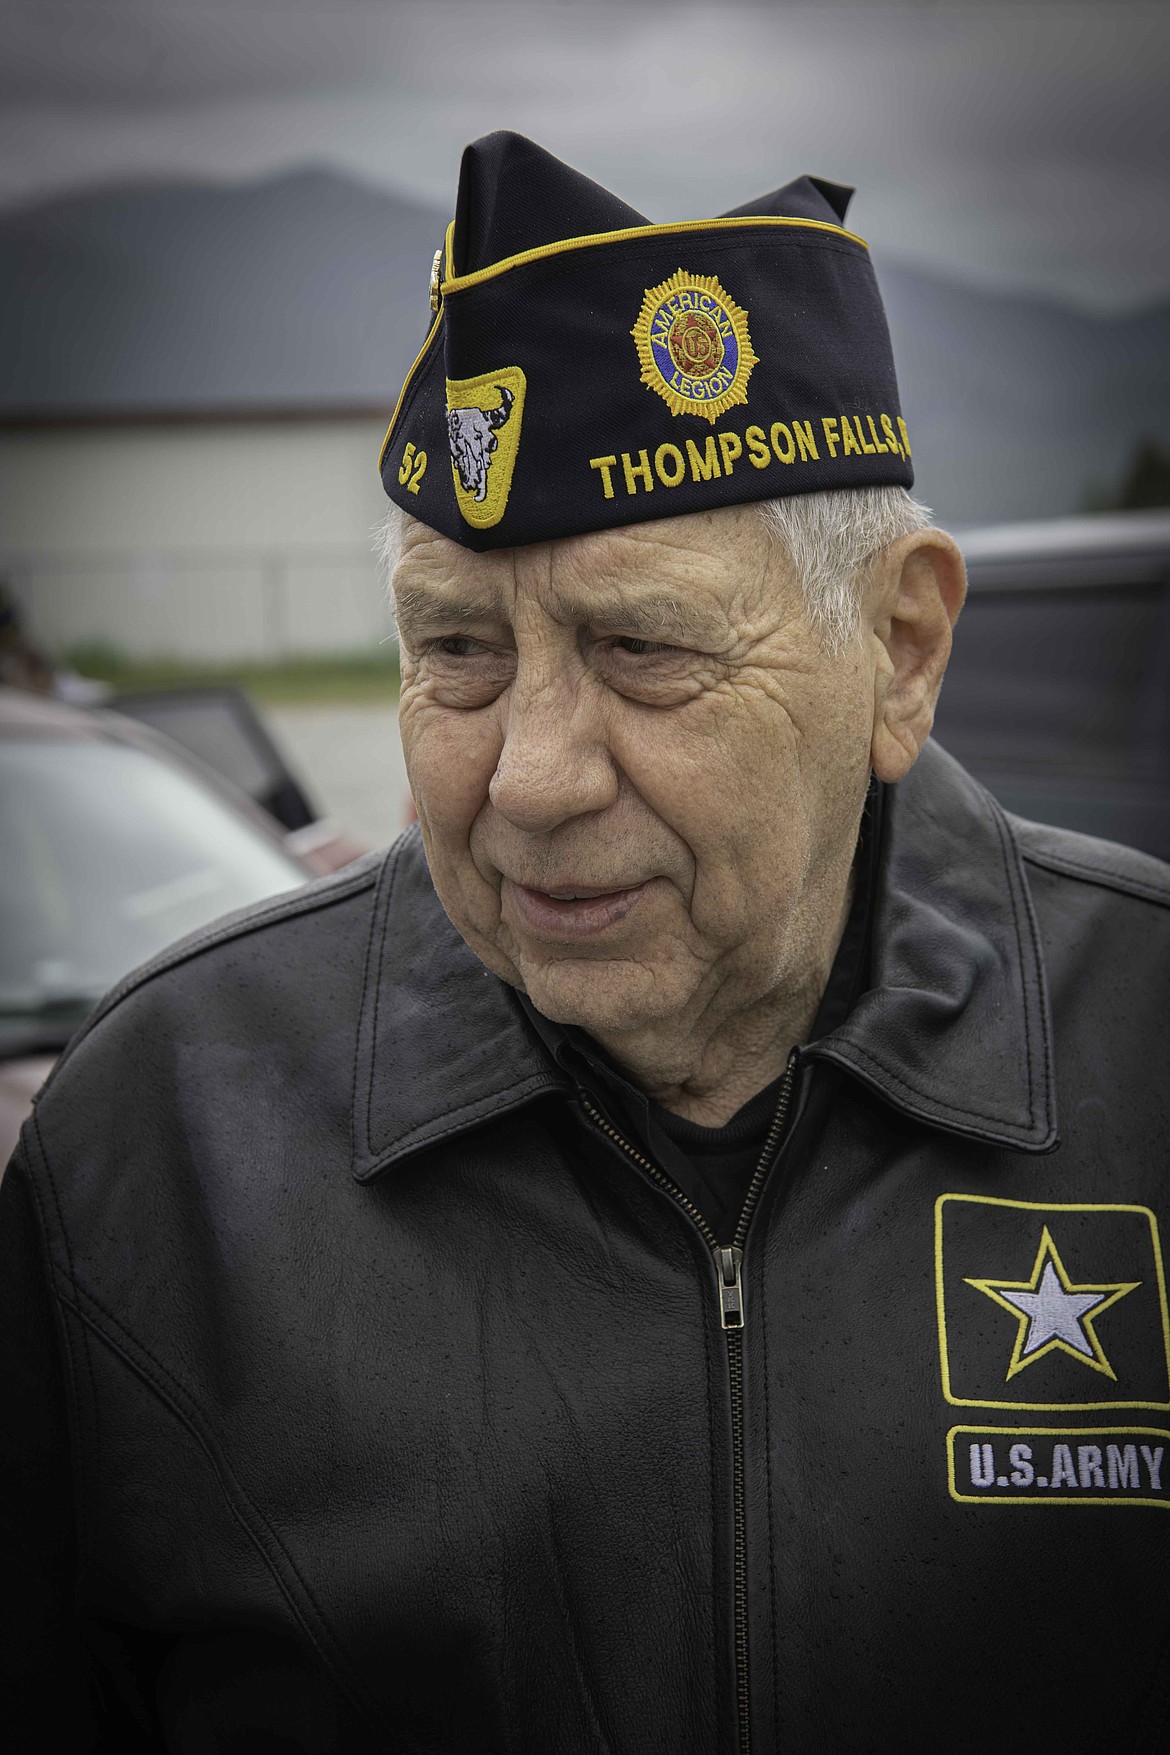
308, 291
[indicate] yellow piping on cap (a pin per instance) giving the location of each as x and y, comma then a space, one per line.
422, 352
459, 282
421, 355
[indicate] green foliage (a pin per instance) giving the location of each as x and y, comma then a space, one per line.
1147, 482
1144, 486
365, 675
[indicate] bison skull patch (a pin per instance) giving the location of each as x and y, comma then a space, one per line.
484, 415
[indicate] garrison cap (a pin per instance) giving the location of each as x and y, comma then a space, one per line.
586, 368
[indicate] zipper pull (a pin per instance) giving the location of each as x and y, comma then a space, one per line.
729, 1263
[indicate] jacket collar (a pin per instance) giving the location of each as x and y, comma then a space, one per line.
442, 1045
953, 1031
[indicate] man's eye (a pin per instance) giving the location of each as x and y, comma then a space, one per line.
641, 648
455, 646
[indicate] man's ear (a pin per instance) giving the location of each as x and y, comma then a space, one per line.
916, 594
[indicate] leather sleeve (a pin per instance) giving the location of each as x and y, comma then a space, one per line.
50, 1690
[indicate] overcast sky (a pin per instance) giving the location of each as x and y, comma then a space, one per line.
1025, 142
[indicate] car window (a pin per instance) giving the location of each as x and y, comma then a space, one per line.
1075, 680
109, 854
207, 725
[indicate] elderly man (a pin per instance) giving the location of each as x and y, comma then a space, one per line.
610, 1275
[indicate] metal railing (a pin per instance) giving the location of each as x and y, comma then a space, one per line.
206, 602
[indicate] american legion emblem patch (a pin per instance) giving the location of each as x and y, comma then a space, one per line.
694, 345
1053, 1310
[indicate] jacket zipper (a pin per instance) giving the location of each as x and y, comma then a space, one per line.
729, 1281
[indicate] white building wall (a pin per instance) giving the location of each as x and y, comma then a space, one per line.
220, 541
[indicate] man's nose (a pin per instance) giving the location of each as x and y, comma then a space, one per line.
555, 762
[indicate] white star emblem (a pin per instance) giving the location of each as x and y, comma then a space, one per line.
1052, 1313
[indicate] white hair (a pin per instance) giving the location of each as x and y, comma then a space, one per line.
388, 534
830, 538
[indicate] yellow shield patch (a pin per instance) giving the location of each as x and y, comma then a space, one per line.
484, 416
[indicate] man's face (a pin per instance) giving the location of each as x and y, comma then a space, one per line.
637, 771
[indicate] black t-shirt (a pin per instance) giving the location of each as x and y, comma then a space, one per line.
714, 1165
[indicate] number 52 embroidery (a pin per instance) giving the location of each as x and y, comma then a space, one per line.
416, 461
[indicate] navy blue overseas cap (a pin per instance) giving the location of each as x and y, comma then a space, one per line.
586, 368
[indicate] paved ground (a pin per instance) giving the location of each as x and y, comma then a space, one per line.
350, 761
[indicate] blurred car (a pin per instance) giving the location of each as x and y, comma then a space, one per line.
116, 843
1057, 696
221, 726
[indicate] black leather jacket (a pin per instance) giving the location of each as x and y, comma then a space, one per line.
401, 1410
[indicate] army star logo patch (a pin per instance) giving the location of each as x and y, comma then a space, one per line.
1052, 1312
1084, 1289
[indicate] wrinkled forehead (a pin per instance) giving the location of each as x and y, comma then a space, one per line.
703, 565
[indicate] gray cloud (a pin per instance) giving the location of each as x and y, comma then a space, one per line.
1018, 142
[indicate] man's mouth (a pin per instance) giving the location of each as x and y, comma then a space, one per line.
572, 911
579, 895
